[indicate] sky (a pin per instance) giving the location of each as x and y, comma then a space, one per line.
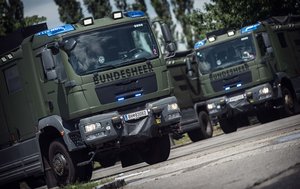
49, 9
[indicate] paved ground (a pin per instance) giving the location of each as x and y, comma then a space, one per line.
260, 156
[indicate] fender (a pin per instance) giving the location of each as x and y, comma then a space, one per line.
200, 105
56, 122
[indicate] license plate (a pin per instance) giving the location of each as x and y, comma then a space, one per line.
135, 115
236, 98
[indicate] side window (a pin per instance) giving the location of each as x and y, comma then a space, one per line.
13, 80
282, 40
261, 44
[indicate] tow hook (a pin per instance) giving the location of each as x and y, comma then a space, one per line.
92, 154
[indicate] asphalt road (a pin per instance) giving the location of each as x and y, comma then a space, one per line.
261, 156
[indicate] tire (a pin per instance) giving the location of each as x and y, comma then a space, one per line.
228, 125
156, 150
64, 164
288, 102
206, 129
267, 115
107, 161
61, 163
85, 173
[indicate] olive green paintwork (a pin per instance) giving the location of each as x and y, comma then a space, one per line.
40, 98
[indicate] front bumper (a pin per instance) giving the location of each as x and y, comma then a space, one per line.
133, 126
243, 102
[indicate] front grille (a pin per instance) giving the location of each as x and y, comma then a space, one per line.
232, 81
127, 88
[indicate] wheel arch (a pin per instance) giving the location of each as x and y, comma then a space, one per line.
53, 127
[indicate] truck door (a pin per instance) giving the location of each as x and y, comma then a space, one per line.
15, 100
294, 41
4, 134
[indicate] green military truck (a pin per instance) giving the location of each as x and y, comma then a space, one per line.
252, 70
98, 90
195, 119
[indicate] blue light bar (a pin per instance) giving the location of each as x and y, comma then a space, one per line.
121, 99
239, 85
250, 28
227, 88
58, 30
134, 14
199, 44
138, 94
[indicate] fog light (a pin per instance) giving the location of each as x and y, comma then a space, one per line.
264, 91
211, 106
173, 106
90, 128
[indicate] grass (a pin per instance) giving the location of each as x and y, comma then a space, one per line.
89, 185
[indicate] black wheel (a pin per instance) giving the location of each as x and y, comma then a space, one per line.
107, 161
288, 102
156, 150
61, 163
206, 129
267, 115
228, 125
85, 173
64, 164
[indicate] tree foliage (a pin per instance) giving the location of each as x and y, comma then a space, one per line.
12, 16
69, 11
181, 9
98, 9
235, 14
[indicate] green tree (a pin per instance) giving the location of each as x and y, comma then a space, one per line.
12, 16
98, 8
140, 5
121, 5
69, 11
235, 14
181, 9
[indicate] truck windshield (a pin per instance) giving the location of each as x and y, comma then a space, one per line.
112, 47
226, 54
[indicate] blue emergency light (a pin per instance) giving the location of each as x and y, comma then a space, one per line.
134, 14
250, 28
199, 44
58, 30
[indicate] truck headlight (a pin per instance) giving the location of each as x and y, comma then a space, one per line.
91, 127
211, 106
264, 91
173, 106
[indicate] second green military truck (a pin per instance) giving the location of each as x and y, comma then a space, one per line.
195, 120
255, 69
98, 90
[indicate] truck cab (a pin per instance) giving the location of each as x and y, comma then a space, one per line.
251, 70
97, 90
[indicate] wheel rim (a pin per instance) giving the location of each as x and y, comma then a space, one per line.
288, 100
59, 164
207, 125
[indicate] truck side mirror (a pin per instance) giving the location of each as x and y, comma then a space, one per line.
167, 35
188, 60
49, 64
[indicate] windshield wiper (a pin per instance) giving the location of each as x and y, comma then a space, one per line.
133, 61
101, 68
